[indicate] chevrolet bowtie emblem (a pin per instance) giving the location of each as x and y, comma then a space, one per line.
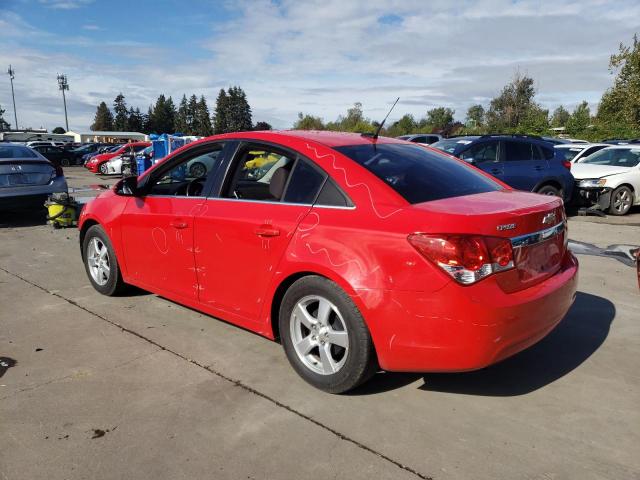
549, 218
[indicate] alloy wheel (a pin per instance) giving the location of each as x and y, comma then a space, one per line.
98, 261
622, 201
319, 335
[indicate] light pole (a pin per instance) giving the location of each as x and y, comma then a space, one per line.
12, 73
64, 85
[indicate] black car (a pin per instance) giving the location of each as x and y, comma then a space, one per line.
88, 148
56, 155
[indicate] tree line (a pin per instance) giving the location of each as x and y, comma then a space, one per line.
232, 113
515, 110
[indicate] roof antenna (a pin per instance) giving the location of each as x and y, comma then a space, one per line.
375, 135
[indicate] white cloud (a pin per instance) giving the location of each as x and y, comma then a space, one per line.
91, 26
321, 56
65, 4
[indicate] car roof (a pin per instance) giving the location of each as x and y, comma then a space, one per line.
324, 137
9, 160
581, 145
623, 147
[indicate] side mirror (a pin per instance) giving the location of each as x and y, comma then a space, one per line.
128, 187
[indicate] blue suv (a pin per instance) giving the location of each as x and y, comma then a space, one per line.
521, 161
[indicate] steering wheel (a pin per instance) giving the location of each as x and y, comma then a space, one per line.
194, 187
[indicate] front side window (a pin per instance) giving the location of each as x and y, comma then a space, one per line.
260, 174
481, 152
418, 174
188, 177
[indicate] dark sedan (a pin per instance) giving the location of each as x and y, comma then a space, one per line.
56, 155
27, 178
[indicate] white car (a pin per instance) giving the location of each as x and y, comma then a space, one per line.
574, 152
610, 178
422, 138
114, 166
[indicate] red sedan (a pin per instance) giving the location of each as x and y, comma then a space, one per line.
98, 163
356, 253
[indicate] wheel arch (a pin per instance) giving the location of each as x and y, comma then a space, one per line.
554, 182
286, 282
86, 225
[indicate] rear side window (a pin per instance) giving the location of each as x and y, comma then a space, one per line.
517, 151
481, 152
332, 196
304, 183
417, 174
16, 151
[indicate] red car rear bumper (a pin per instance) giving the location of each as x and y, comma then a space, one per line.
465, 328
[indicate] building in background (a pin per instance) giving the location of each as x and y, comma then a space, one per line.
110, 137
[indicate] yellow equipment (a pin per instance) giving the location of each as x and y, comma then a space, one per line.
61, 210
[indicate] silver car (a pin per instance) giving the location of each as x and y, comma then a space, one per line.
27, 178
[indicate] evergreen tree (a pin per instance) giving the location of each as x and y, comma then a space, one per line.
203, 118
147, 121
135, 121
4, 125
260, 126
192, 118
58, 130
162, 118
238, 111
121, 113
220, 120
103, 120
182, 123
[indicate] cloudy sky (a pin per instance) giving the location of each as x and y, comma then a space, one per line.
314, 56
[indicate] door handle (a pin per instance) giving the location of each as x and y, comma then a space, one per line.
179, 224
538, 168
267, 231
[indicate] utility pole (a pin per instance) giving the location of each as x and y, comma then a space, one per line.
12, 73
64, 85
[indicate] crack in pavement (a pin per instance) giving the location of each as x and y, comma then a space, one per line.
235, 382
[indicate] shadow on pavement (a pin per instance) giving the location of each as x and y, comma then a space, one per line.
575, 339
26, 218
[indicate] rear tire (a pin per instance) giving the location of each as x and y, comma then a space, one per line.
65, 162
103, 168
549, 190
621, 201
324, 336
100, 262
197, 170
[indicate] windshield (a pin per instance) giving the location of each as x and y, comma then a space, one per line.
569, 154
451, 145
418, 174
615, 157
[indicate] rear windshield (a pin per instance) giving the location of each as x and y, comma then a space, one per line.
569, 154
16, 151
418, 174
452, 145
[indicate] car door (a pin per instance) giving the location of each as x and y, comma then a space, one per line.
524, 165
157, 226
486, 156
242, 233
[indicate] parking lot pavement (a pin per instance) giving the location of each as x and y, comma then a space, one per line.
139, 387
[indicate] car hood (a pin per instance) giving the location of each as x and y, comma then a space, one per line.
586, 170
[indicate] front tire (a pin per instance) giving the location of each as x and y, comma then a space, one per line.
65, 162
324, 336
100, 262
621, 201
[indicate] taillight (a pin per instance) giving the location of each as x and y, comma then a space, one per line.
566, 164
467, 258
